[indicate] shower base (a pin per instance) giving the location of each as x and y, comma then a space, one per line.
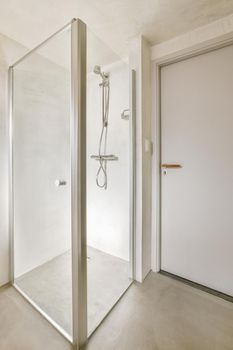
49, 286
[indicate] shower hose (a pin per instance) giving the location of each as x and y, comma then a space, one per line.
102, 176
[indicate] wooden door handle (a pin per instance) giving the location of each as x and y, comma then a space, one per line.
171, 166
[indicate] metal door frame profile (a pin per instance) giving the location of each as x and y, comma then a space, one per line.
78, 180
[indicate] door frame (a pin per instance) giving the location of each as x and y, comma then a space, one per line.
175, 57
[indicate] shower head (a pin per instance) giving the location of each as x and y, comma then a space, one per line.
97, 70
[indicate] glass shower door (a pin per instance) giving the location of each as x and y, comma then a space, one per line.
109, 180
42, 179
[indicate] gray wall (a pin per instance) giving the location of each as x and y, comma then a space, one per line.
9, 52
42, 211
108, 210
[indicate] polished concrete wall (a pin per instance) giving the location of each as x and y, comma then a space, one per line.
108, 210
9, 52
42, 211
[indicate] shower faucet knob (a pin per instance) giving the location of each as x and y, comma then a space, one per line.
59, 183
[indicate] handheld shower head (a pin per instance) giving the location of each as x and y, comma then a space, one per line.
97, 70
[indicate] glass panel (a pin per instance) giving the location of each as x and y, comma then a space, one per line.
42, 170
108, 179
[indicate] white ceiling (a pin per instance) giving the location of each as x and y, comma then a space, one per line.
115, 21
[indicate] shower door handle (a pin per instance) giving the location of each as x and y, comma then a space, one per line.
59, 183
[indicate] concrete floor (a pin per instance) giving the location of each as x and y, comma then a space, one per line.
160, 314
165, 314
23, 328
49, 286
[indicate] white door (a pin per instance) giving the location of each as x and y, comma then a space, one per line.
197, 199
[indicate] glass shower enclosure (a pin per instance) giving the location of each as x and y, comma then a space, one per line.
71, 240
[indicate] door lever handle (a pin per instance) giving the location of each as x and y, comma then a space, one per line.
171, 166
